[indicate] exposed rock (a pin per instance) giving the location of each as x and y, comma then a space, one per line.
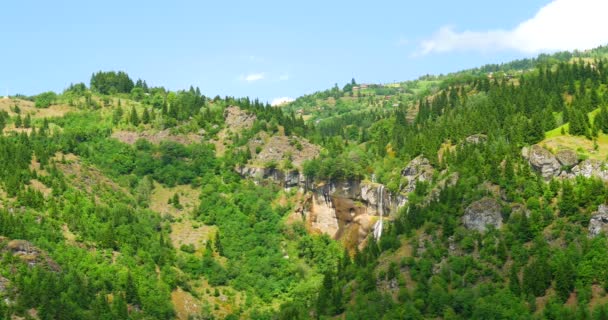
348, 211
492, 189
525, 152
542, 160
592, 168
29, 254
279, 148
479, 214
321, 215
287, 180
476, 138
419, 169
599, 221
567, 157
237, 119
4, 285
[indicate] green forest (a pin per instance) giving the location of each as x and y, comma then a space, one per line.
123, 200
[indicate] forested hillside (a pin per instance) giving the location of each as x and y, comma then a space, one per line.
480, 194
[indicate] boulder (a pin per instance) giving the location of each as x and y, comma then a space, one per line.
592, 168
599, 221
479, 214
567, 157
543, 161
419, 169
476, 138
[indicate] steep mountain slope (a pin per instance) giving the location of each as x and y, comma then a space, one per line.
480, 194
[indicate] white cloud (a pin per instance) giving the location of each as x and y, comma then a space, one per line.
559, 25
284, 77
280, 101
252, 77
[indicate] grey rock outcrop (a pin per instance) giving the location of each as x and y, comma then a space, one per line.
591, 168
476, 138
543, 161
567, 157
287, 179
599, 221
419, 169
237, 119
479, 214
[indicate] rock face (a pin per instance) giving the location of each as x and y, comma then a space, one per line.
349, 211
289, 179
542, 160
479, 214
599, 221
567, 157
237, 119
279, 148
419, 169
591, 168
28, 253
346, 210
551, 166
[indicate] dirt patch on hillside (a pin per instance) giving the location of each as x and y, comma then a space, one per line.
185, 304
191, 233
188, 199
37, 185
156, 137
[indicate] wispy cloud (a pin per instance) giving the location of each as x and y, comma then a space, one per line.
559, 25
280, 101
284, 77
252, 77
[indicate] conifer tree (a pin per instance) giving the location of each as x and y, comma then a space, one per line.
134, 118
145, 117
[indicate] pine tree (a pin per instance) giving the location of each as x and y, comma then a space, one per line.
131, 291
27, 122
218, 244
134, 118
514, 283
324, 300
535, 129
119, 307
564, 276
117, 115
145, 117
18, 121
567, 202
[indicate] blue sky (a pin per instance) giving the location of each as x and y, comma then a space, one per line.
269, 49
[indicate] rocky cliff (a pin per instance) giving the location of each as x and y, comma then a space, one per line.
564, 164
349, 210
481, 214
345, 210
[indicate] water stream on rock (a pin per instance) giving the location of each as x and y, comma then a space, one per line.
379, 224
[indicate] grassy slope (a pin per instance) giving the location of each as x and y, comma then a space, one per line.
555, 140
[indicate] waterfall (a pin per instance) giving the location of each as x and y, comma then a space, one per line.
380, 223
